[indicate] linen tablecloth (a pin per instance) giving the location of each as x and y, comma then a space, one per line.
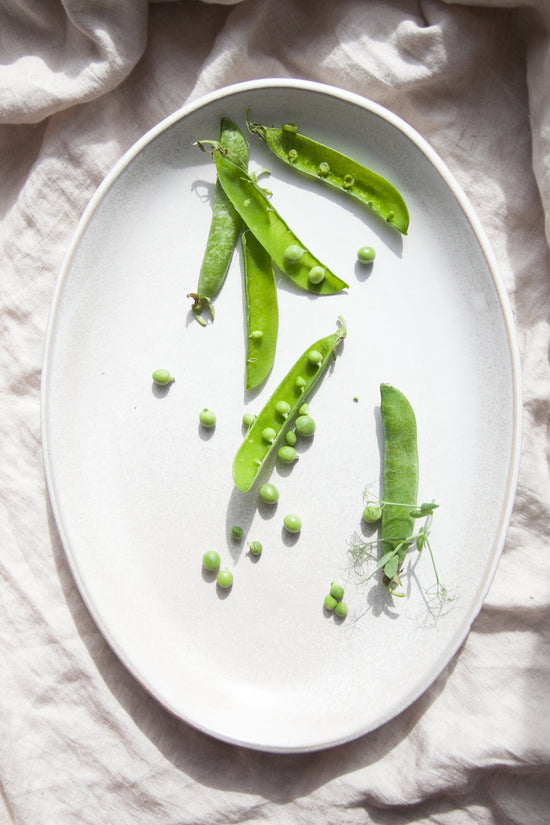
80, 81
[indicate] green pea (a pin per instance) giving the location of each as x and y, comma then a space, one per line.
207, 418
256, 334
291, 128
292, 155
255, 548
348, 181
162, 377
211, 560
366, 254
372, 513
315, 357
341, 610
300, 382
292, 523
283, 408
236, 532
303, 409
268, 434
316, 274
291, 438
287, 454
225, 578
323, 169
305, 425
330, 602
269, 493
293, 253
337, 591
248, 419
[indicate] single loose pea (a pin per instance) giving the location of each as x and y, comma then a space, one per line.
292, 523
366, 254
236, 532
269, 493
162, 377
211, 560
207, 418
316, 274
315, 357
287, 454
269, 434
283, 408
291, 438
225, 578
341, 610
293, 253
330, 602
337, 591
372, 513
248, 419
305, 425
255, 548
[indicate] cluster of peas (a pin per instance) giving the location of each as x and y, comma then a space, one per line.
304, 426
333, 601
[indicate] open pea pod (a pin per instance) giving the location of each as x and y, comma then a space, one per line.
270, 229
337, 170
281, 408
262, 312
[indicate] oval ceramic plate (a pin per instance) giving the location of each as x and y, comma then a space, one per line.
139, 491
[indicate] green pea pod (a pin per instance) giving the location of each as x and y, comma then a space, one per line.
224, 229
262, 314
293, 389
272, 232
400, 472
337, 170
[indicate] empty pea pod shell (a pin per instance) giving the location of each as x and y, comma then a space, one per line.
262, 314
267, 225
254, 450
337, 170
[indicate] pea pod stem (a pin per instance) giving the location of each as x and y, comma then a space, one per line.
224, 230
295, 387
288, 252
314, 159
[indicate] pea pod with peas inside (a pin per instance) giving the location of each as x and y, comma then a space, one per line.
337, 170
286, 250
262, 315
280, 409
224, 229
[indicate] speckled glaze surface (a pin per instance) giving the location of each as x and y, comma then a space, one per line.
139, 491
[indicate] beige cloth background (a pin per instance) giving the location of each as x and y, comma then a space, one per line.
80, 81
